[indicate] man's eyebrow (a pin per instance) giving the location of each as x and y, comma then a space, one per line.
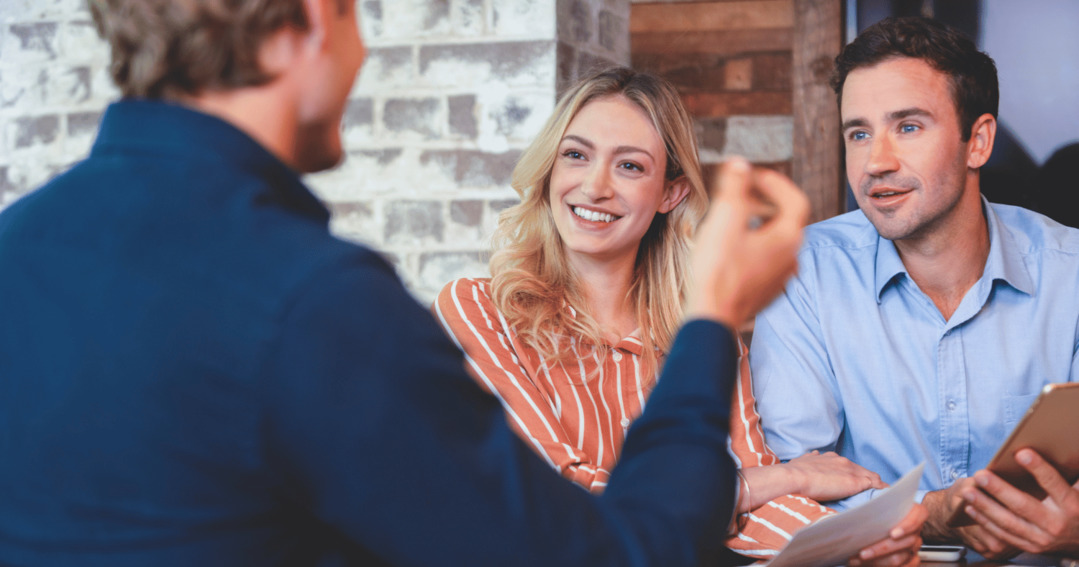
908, 112
854, 123
890, 117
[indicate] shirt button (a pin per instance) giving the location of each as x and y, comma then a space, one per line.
955, 475
617, 356
625, 422
951, 405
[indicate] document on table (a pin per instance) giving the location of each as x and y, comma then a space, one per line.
832, 540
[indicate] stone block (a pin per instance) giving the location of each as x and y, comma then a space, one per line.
469, 18
711, 135
356, 221
511, 115
614, 33
33, 42
387, 68
405, 19
28, 10
576, 22
511, 64
35, 130
414, 223
481, 169
370, 15
413, 116
69, 87
760, 138
523, 18
436, 269
465, 225
79, 43
81, 132
358, 121
589, 64
567, 67
462, 116
23, 88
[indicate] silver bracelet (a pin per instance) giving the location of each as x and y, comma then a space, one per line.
749, 495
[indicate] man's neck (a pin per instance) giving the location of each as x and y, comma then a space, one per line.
247, 109
948, 262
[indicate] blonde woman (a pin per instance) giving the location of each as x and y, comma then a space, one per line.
588, 279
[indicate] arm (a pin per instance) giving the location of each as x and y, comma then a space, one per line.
372, 425
782, 497
468, 316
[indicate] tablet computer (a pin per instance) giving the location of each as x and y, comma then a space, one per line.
1050, 428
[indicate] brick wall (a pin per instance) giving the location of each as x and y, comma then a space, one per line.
452, 91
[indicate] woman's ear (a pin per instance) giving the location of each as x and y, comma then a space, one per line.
675, 191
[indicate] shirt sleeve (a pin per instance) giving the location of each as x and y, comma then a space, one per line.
762, 532
468, 315
799, 404
374, 429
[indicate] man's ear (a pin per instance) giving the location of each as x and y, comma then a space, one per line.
319, 13
675, 191
980, 145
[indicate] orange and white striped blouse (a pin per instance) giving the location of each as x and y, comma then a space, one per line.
575, 415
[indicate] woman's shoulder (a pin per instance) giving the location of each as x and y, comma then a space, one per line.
466, 294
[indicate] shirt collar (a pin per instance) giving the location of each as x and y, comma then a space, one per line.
1005, 261
205, 140
630, 343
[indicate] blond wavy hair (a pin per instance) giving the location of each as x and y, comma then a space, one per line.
531, 278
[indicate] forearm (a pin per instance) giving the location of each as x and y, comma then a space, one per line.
768, 483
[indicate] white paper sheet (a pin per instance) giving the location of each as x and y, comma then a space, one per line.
832, 540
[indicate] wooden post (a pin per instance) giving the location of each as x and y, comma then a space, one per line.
817, 165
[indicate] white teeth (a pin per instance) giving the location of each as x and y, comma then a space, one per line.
594, 216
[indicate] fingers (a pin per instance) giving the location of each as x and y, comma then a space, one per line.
1047, 476
791, 206
889, 552
911, 523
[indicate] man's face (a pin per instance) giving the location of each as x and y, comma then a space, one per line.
906, 161
319, 141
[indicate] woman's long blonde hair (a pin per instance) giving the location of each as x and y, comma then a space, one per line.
531, 278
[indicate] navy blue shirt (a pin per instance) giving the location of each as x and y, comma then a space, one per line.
193, 371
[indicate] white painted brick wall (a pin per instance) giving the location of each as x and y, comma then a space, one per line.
451, 93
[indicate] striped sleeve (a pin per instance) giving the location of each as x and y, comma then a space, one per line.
466, 312
766, 530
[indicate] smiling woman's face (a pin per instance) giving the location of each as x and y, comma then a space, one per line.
608, 181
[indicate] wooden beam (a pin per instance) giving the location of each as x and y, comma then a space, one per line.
712, 42
817, 165
702, 16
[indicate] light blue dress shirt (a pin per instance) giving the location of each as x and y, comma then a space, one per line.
855, 358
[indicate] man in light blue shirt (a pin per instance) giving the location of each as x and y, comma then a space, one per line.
921, 327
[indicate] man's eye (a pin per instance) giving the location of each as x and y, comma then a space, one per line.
859, 136
909, 128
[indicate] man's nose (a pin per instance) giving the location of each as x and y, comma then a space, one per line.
882, 158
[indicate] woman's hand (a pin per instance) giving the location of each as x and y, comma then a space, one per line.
821, 477
827, 476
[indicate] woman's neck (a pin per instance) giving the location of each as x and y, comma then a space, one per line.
606, 289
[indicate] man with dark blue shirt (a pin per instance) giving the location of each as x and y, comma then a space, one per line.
194, 372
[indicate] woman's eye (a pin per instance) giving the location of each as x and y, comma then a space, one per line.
631, 166
573, 154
